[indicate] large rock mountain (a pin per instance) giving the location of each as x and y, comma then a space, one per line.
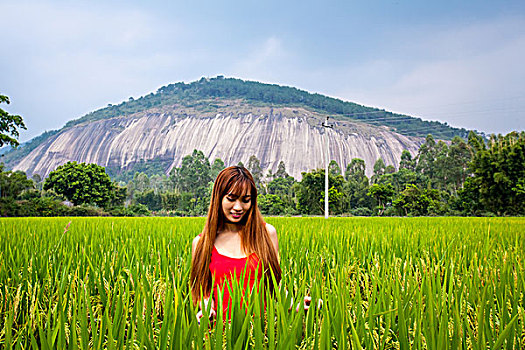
231, 128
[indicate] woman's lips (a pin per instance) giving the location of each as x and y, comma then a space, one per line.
236, 215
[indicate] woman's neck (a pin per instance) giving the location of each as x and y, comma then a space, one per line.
230, 227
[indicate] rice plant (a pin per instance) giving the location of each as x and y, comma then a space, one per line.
422, 283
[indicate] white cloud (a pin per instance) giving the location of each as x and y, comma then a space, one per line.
266, 61
63, 60
465, 75
78, 27
60, 60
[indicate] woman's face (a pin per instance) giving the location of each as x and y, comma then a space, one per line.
235, 207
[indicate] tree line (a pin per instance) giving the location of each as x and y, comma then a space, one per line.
462, 177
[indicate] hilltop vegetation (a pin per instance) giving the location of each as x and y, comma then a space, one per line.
271, 94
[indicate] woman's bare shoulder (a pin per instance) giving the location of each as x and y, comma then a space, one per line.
271, 230
195, 242
196, 239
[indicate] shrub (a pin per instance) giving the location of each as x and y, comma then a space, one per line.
361, 212
139, 209
121, 211
8, 207
86, 210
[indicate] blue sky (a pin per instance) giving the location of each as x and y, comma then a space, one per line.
454, 61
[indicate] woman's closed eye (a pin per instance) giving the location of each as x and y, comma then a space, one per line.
233, 198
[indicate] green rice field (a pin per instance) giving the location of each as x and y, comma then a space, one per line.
386, 283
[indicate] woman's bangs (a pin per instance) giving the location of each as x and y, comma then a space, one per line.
240, 187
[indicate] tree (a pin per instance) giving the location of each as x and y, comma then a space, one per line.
382, 193
194, 182
216, 168
355, 170
334, 198
193, 175
9, 125
498, 170
281, 170
82, 183
284, 188
476, 142
310, 193
406, 161
271, 204
13, 183
390, 169
281, 186
414, 201
459, 156
254, 167
467, 201
270, 175
427, 157
404, 177
150, 199
141, 181
441, 173
118, 196
170, 200
333, 168
379, 170
158, 183
356, 185
37, 180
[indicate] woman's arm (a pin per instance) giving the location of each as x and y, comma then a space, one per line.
206, 300
272, 232
202, 307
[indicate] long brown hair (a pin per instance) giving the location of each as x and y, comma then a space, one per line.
254, 236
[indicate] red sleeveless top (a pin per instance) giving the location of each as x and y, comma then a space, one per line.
224, 268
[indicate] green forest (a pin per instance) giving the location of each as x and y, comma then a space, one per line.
473, 177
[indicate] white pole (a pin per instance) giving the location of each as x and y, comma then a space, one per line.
326, 174
326, 161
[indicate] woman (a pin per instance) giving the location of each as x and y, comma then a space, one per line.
235, 240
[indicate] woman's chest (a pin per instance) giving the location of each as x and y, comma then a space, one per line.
226, 267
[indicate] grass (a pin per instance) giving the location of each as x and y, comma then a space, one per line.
435, 283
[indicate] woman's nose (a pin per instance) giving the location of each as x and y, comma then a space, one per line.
237, 205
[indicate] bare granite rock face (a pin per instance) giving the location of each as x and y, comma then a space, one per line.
293, 135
